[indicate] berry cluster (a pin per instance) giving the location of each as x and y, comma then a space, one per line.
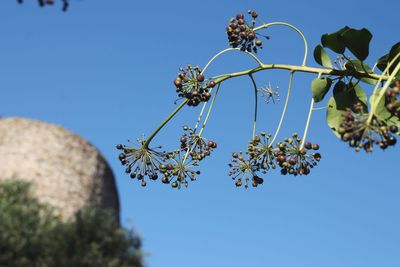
178, 170
393, 100
174, 167
361, 134
198, 147
192, 85
262, 156
141, 161
295, 160
241, 34
42, 3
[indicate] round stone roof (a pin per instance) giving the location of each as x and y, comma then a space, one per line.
66, 171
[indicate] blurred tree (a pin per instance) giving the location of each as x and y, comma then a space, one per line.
32, 235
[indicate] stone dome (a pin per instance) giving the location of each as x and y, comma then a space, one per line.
66, 171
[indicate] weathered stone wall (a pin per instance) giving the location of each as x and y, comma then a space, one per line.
66, 171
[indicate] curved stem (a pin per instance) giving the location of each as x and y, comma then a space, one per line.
170, 116
293, 68
201, 114
384, 88
284, 108
265, 26
310, 111
227, 50
307, 123
209, 110
255, 104
206, 119
208, 64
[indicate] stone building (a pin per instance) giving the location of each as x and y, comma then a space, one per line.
66, 171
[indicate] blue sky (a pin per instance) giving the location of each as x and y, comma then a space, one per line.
104, 70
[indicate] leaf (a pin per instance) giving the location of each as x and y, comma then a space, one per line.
321, 57
384, 60
360, 66
382, 113
334, 42
344, 97
357, 41
320, 87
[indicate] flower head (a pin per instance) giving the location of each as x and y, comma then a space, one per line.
192, 85
295, 159
197, 146
141, 161
241, 34
360, 133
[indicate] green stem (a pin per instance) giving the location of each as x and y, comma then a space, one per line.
384, 88
307, 123
209, 110
310, 111
284, 108
206, 67
227, 50
265, 26
294, 68
255, 104
205, 120
170, 116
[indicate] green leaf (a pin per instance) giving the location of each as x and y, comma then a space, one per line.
357, 41
360, 66
334, 42
320, 87
344, 97
384, 60
382, 113
321, 57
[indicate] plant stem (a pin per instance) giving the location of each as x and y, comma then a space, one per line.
170, 116
384, 88
284, 108
294, 68
307, 123
205, 120
255, 104
227, 50
209, 110
310, 111
265, 26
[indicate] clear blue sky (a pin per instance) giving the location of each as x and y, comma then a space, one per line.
104, 70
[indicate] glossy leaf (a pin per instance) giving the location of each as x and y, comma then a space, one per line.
357, 41
361, 67
320, 87
321, 57
334, 42
382, 113
344, 97
384, 60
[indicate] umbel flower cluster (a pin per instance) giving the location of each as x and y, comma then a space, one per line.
192, 85
242, 35
261, 156
361, 132
354, 124
176, 167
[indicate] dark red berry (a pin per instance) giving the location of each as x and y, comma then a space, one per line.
308, 145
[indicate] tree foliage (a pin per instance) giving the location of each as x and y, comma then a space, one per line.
31, 235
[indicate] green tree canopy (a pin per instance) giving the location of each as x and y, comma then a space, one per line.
32, 235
